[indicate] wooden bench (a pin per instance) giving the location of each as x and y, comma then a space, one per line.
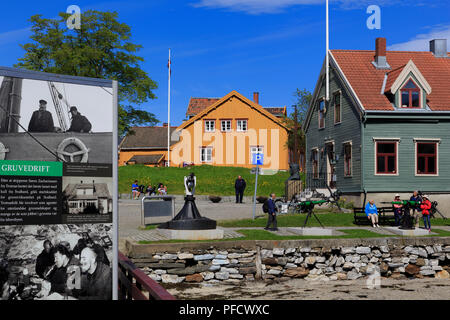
385, 216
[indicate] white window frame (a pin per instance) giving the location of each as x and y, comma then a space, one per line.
222, 123
397, 142
238, 128
344, 144
316, 149
205, 160
208, 129
426, 140
318, 113
334, 107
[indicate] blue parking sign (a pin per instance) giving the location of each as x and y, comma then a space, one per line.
257, 159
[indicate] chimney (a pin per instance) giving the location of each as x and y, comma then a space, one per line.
380, 54
256, 97
165, 124
439, 48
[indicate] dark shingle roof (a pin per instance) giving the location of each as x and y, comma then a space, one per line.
146, 159
147, 138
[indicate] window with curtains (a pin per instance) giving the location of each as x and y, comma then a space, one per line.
315, 163
206, 154
210, 125
337, 107
321, 113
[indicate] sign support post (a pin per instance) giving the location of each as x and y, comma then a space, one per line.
257, 159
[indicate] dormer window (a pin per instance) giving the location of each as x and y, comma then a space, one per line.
410, 95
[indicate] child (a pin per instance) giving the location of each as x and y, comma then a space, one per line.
426, 206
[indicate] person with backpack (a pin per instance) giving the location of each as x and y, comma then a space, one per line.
426, 206
269, 207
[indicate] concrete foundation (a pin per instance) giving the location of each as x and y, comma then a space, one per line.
312, 231
192, 234
409, 233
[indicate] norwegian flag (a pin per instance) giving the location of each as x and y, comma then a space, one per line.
169, 65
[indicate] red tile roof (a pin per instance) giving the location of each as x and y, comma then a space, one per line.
367, 81
197, 105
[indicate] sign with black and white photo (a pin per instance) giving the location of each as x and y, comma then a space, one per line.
58, 183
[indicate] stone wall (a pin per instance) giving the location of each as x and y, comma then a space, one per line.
296, 259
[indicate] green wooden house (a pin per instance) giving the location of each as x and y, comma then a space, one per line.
385, 128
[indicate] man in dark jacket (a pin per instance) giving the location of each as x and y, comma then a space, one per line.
79, 122
96, 282
239, 186
272, 219
45, 260
41, 120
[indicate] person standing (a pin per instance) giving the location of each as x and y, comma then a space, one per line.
372, 213
426, 206
79, 122
41, 120
272, 219
239, 187
397, 209
414, 214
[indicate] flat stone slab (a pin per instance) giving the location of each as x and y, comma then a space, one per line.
191, 234
410, 233
312, 231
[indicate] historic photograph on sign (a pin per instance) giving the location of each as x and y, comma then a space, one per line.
56, 262
87, 199
46, 120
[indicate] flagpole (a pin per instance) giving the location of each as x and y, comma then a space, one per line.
168, 118
326, 56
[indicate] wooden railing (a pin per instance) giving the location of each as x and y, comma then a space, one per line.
134, 284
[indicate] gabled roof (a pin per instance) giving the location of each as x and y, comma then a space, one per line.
147, 138
367, 81
402, 76
101, 191
219, 102
147, 159
197, 105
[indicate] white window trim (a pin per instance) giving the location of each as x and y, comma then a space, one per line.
396, 141
237, 126
205, 148
318, 114
318, 161
221, 127
351, 157
334, 107
214, 122
425, 140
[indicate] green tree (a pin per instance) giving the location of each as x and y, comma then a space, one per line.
101, 48
294, 121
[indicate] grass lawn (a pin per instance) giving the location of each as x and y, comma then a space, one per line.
265, 235
296, 220
211, 180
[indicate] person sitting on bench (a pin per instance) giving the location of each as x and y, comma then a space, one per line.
397, 210
372, 213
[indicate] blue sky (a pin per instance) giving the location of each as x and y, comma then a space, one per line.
268, 46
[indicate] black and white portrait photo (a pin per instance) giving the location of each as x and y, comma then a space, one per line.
55, 121
56, 262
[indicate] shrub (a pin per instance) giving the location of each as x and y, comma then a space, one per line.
261, 199
215, 199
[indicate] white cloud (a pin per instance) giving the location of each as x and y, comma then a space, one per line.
254, 6
421, 41
277, 6
14, 35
